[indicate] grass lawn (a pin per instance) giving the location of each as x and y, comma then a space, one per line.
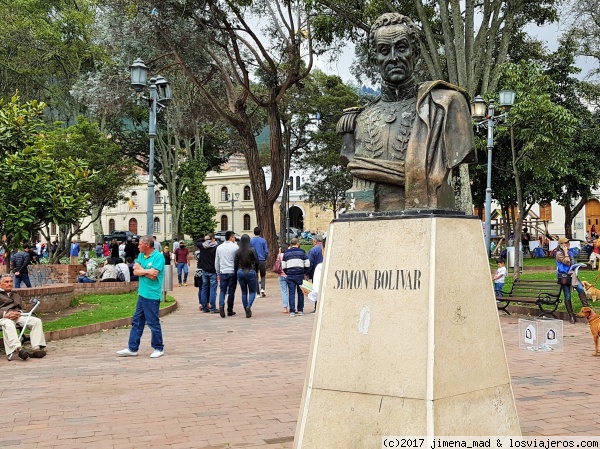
103, 308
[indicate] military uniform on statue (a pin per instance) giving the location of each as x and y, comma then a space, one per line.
398, 346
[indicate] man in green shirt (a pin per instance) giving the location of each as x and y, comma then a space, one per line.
149, 267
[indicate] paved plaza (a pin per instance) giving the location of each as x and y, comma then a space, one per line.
237, 383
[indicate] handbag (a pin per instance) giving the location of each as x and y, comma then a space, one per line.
277, 266
563, 279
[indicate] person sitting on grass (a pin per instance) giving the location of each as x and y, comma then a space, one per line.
11, 305
89, 275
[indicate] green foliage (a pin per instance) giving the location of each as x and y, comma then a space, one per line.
198, 213
37, 187
328, 181
113, 173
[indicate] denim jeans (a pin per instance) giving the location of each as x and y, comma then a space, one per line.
146, 312
294, 283
209, 290
24, 278
247, 282
498, 286
262, 269
227, 287
285, 295
567, 290
85, 280
181, 266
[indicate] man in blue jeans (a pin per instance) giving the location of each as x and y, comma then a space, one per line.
208, 292
225, 267
262, 251
150, 267
295, 264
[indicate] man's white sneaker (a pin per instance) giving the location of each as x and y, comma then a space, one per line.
292, 314
300, 313
262, 293
126, 353
156, 354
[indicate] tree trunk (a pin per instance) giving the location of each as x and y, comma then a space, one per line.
98, 231
568, 221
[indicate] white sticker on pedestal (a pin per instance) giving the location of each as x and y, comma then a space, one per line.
364, 320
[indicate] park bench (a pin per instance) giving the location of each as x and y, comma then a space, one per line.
543, 293
583, 257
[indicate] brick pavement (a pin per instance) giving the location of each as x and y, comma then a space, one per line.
236, 382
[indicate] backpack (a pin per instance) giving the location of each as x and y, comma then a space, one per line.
120, 275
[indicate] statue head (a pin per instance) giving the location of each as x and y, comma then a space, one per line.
394, 44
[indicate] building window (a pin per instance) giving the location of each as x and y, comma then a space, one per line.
247, 193
298, 185
224, 224
246, 222
134, 200
546, 212
53, 228
291, 183
156, 227
157, 198
111, 226
224, 194
133, 225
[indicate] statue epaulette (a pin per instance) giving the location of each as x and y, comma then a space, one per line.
347, 122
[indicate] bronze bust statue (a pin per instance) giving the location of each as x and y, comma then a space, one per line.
401, 148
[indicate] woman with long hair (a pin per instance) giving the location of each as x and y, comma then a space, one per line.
114, 249
285, 295
246, 266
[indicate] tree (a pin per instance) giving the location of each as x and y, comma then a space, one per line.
113, 172
198, 213
46, 46
218, 49
37, 187
538, 134
328, 181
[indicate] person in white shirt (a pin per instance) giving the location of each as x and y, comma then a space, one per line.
500, 277
123, 268
314, 295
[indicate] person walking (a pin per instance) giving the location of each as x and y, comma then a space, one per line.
262, 251
315, 257
150, 267
129, 249
295, 264
208, 293
285, 296
167, 255
225, 268
565, 264
99, 250
181, 259
246, 266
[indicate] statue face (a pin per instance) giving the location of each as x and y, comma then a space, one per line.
395, 55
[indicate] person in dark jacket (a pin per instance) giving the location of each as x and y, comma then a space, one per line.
129, 249
114, 249
20, 261
246, 266
207, 294
262, 251
295, 265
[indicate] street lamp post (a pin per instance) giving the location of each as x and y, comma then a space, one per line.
232, 201
288, 184
507, 99
160, 96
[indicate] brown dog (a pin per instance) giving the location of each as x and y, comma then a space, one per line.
594, 322
591, 292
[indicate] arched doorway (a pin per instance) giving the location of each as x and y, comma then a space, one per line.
592, 214
111, 226
133, 226
296, 217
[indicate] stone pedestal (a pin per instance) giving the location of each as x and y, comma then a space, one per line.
407, 338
